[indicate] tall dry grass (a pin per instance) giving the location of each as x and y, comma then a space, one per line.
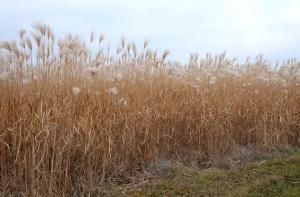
73, 120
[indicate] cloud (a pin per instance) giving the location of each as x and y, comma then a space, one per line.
241, 27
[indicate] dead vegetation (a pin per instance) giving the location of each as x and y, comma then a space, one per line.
75, 119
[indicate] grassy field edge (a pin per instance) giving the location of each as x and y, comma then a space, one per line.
274, 177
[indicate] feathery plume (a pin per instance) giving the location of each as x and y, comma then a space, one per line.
165, 54
101, 38
146, 43
113, 91
22, 33
92, 38
76, 90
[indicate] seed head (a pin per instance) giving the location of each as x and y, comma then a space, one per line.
113, 91
76, 90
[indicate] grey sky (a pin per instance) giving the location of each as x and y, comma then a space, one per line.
245, 27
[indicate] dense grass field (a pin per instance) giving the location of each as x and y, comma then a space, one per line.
77, 117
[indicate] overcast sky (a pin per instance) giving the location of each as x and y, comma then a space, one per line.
242, 27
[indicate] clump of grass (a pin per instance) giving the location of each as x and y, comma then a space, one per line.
75, 120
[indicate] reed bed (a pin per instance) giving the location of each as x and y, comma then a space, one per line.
76, 117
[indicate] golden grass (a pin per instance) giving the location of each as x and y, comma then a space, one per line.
73, 120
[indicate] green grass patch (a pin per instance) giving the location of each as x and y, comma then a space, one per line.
275, 177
